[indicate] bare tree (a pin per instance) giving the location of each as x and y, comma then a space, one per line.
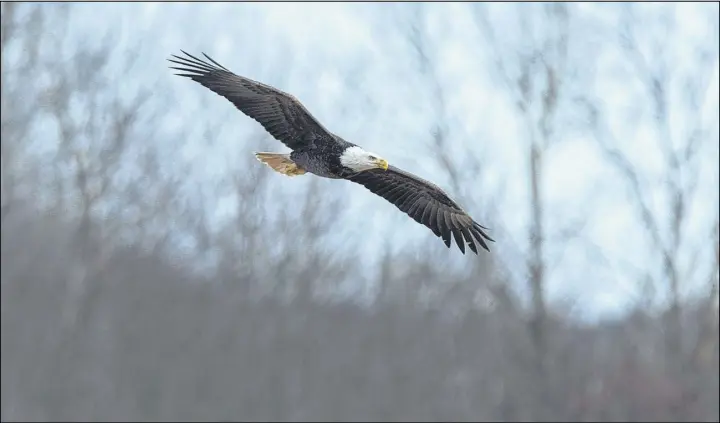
659, 78
94, 147
458, 160
18, 31
536, 78
95, 127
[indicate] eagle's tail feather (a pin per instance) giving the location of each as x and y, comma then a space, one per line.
281, 163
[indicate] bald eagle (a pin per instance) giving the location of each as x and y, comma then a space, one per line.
320, 152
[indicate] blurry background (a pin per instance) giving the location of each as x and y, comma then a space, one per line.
153, 269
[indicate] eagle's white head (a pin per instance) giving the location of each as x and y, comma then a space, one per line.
357, 159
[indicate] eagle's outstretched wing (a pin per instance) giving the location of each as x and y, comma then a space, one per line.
281, 114
427, 204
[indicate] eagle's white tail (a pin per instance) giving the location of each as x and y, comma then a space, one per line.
280, 163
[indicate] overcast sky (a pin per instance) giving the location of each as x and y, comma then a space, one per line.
353, 68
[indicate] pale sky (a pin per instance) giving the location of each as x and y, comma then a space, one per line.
311, 50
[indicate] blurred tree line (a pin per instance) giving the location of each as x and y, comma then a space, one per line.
105, 317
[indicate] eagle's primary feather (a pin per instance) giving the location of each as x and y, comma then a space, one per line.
426, 203
281, 114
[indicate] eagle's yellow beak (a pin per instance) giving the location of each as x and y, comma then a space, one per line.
382, 164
